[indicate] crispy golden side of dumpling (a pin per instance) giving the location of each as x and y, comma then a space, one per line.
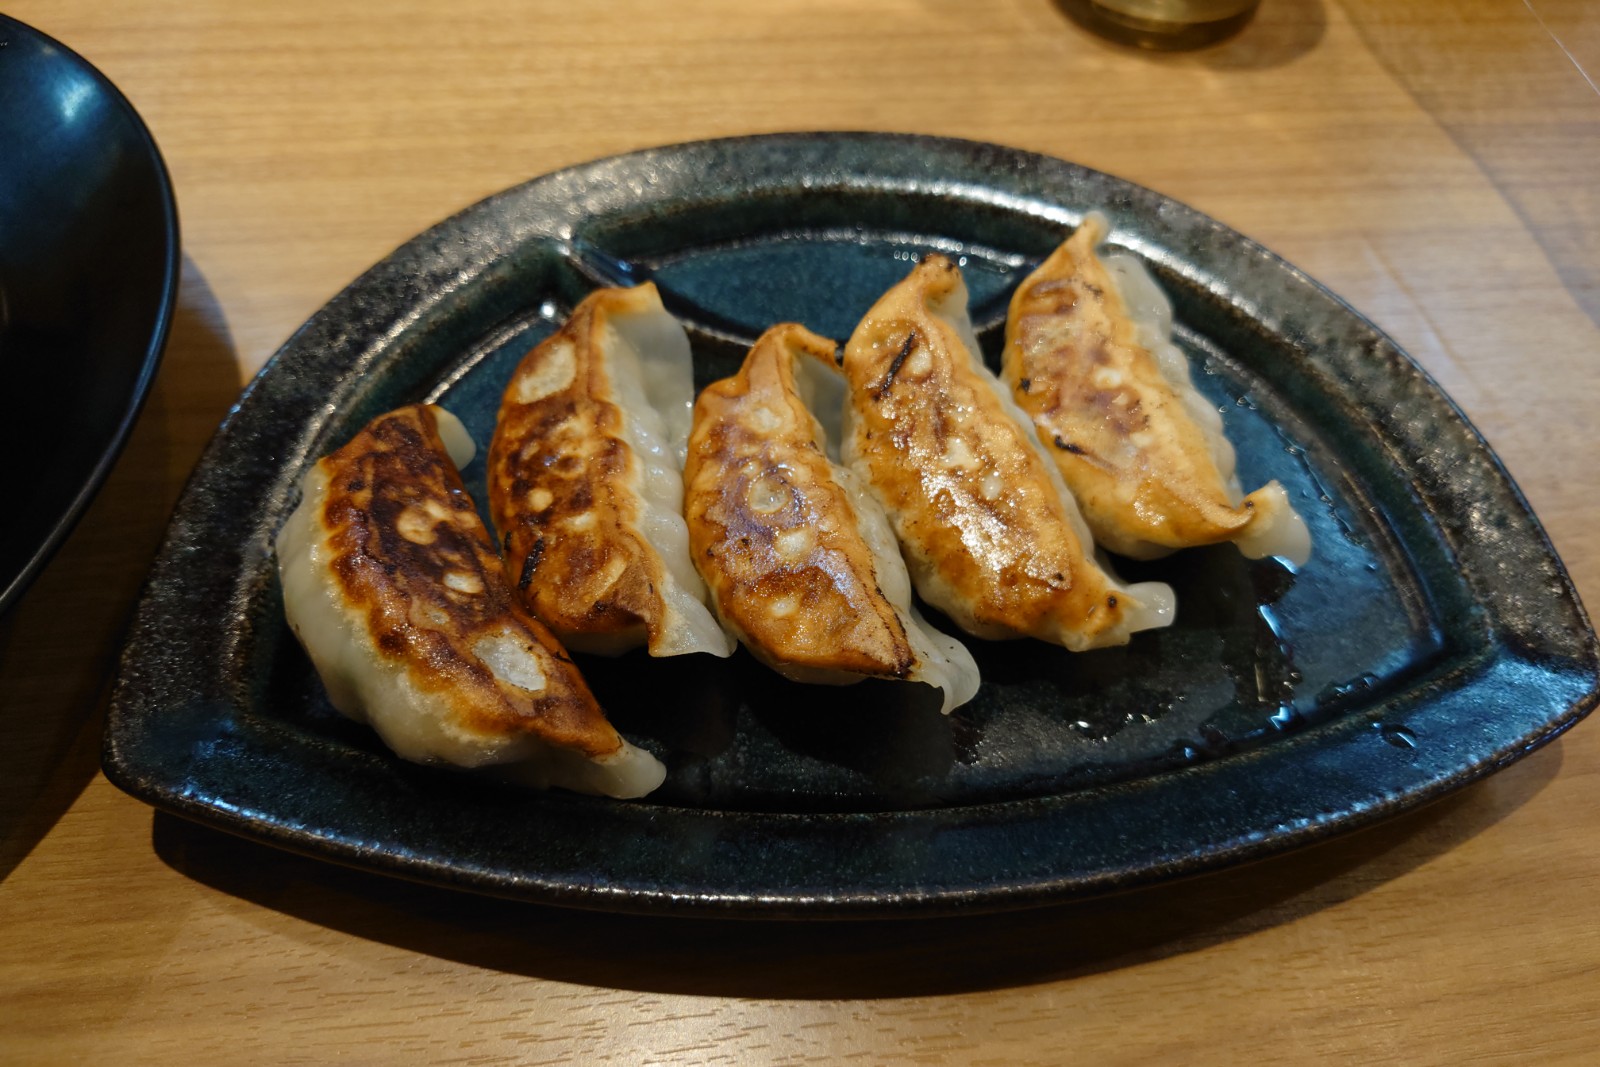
560, 473
988, 531
1122, 432
411, 557
772, 533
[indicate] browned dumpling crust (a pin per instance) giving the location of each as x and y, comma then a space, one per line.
770, 531
411, 556
1141, 467
986, 528
559, 471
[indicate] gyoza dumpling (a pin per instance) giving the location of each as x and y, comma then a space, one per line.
989, 531
1090, 358
586, 481
392, 585
801, 563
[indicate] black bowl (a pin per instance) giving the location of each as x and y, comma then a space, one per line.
89, 263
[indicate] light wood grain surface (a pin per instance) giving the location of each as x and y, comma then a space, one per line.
1433, 161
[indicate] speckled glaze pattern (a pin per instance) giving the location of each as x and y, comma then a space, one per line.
1433, 638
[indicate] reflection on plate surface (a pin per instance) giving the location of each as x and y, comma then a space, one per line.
1432, 637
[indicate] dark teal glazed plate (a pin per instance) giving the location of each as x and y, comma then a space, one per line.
1433, 638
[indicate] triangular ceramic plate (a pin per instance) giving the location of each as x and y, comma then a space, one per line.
1433, 638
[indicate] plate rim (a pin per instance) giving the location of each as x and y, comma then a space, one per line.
124, 723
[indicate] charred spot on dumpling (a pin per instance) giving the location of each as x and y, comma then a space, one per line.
906, 348
530, 562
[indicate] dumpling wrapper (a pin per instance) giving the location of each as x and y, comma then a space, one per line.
801, 563
391, 583
586, 481
1089, 357
989, 531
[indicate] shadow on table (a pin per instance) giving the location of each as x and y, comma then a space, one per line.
846, 959
58, 644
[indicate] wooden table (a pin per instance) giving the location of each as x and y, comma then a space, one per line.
1433, 161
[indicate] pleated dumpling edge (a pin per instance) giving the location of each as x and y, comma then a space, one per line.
393, 588
586, 481
989, 530
799, 558
1089, 357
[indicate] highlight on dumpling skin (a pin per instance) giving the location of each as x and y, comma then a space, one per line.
586, 481
801, 562
989, 531
391, 583
1089, 357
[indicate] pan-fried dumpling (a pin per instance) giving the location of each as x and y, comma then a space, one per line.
989, 531
392, 585
1090, 358
586, 481
801, 562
